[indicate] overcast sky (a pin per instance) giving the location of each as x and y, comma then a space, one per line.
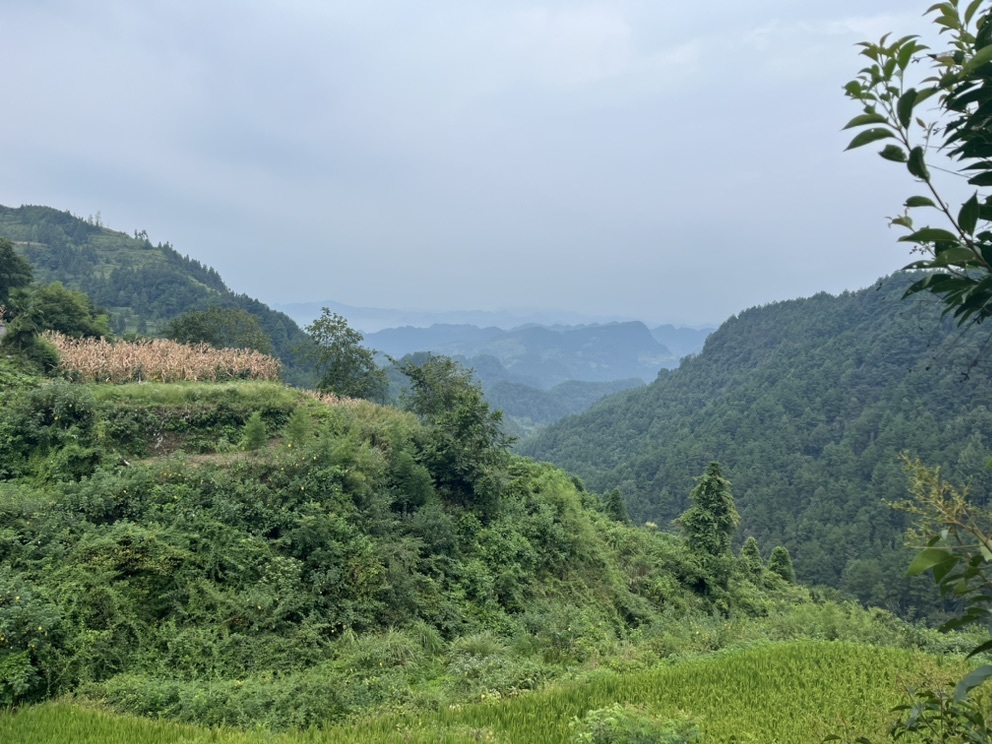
675, 162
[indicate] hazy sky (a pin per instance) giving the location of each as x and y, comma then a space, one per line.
667, 161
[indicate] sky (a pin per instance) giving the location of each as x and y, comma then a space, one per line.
671, 162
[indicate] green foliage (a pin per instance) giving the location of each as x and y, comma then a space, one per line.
255, 435
808, 404
299, 427
346, 368
627, 724
15, 272
774, 693
938, 113
615, 507
55, 308
465, 448
750, 558
49, 430
780, 564
220, 327
710, 522
141, 285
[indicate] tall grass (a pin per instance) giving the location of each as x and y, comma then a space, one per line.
794, 693
160, 360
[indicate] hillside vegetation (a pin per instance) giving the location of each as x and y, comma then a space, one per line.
807, 404
141, 285
244, 553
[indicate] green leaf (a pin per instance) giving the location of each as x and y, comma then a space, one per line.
969, 12
971, 681
986, 553
968, 216
917, 164
956, 256
929, 558
868, 136
919, 201
980, 649
894, 153
862, 119
905, 54
929, 235
904, 107
981, 57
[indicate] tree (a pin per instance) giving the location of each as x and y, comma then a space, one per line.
15, 271
466, 450
957, 259
957, 251
780, 564
709, 523
220, 327
615, 507
346, 367
750, 558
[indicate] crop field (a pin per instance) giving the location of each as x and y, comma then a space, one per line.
161, 360
794, 692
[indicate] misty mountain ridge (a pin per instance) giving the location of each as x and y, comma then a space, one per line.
543, 356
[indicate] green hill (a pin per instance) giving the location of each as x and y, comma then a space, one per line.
141, 285
243, 553
808, 405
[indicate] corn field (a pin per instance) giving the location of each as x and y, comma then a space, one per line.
158, 360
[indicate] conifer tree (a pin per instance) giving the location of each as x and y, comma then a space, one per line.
710, 522
781, 564
750, 558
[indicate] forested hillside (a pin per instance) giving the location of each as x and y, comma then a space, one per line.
141, 285
808, 405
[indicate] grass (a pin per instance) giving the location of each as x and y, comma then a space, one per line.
788, 692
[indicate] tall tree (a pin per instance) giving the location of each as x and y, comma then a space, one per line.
780, 564
466, 449
709, 523
15, 271
345, 366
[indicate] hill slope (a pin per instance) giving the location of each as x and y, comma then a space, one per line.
141, 285
807, 404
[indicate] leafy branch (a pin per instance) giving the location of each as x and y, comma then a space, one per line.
957, 254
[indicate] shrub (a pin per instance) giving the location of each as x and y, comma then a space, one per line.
255, 434
627, 724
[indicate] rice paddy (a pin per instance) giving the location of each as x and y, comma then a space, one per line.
791, 693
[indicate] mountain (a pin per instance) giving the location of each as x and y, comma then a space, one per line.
141, 285
541, 356
807, 404
373, 319
681, 341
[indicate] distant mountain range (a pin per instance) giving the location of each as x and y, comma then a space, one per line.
373, 319
543, 356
